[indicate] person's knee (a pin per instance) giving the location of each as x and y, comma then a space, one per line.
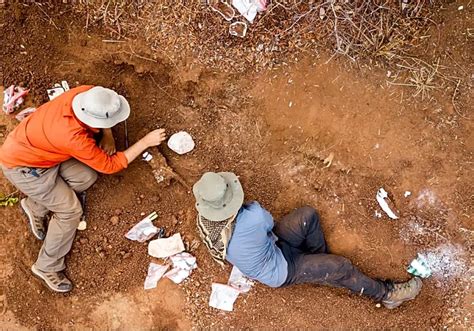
86, 179
343, 266
72, 213
309, 213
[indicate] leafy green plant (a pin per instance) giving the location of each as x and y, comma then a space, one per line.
8, 200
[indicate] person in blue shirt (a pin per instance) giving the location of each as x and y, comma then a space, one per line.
293, 251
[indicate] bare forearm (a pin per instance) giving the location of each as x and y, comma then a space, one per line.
135, 150
153, 138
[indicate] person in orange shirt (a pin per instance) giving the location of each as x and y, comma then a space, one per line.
52, 156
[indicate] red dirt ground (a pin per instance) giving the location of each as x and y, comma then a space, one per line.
273, 129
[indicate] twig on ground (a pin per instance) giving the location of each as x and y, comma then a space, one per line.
453, 100
51, 21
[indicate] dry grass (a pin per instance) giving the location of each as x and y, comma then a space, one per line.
386, 33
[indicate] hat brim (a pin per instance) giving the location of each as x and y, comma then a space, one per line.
232, 206
99, 123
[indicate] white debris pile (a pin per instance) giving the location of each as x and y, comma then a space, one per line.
166, 247
447, 261
143, 230
183, 264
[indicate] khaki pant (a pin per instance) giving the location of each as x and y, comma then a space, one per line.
54, 189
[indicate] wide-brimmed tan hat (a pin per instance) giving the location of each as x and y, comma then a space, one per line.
100, 107
219, 196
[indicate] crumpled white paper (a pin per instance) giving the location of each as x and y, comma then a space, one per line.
143, 230
165, 247
13, 97
183, 265
181, 142
155, 272
239, 281
223, 297
381, 195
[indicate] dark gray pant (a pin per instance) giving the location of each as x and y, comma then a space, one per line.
309, 261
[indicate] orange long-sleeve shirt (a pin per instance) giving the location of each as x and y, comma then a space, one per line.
52, 135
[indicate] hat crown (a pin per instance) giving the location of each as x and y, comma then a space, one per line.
212, 187
101, 103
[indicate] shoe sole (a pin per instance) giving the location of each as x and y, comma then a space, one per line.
398, 304
40, 276
30, 219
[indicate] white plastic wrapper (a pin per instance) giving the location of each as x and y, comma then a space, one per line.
239, 281
419, 267
184, 261
165, 247
249, 8
178, 275
183, 264
13, 97
223, 297
155, 272
143, 230
181, 142
25, 113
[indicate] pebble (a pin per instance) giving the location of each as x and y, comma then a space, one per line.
118, 212
126, 255
378, 305
83, 241
114, 220
174, 220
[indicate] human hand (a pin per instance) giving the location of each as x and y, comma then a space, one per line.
107, 143
155, 137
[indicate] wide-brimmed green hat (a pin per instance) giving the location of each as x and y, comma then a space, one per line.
219, 196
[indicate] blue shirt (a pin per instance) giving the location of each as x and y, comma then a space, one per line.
252, 247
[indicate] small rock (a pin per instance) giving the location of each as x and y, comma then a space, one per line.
174, 220
118, 212
127, 255
83, 241
114, 220
142, 196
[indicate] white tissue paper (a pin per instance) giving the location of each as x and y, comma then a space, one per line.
223, 297
165, 247
239, 281
155, 272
